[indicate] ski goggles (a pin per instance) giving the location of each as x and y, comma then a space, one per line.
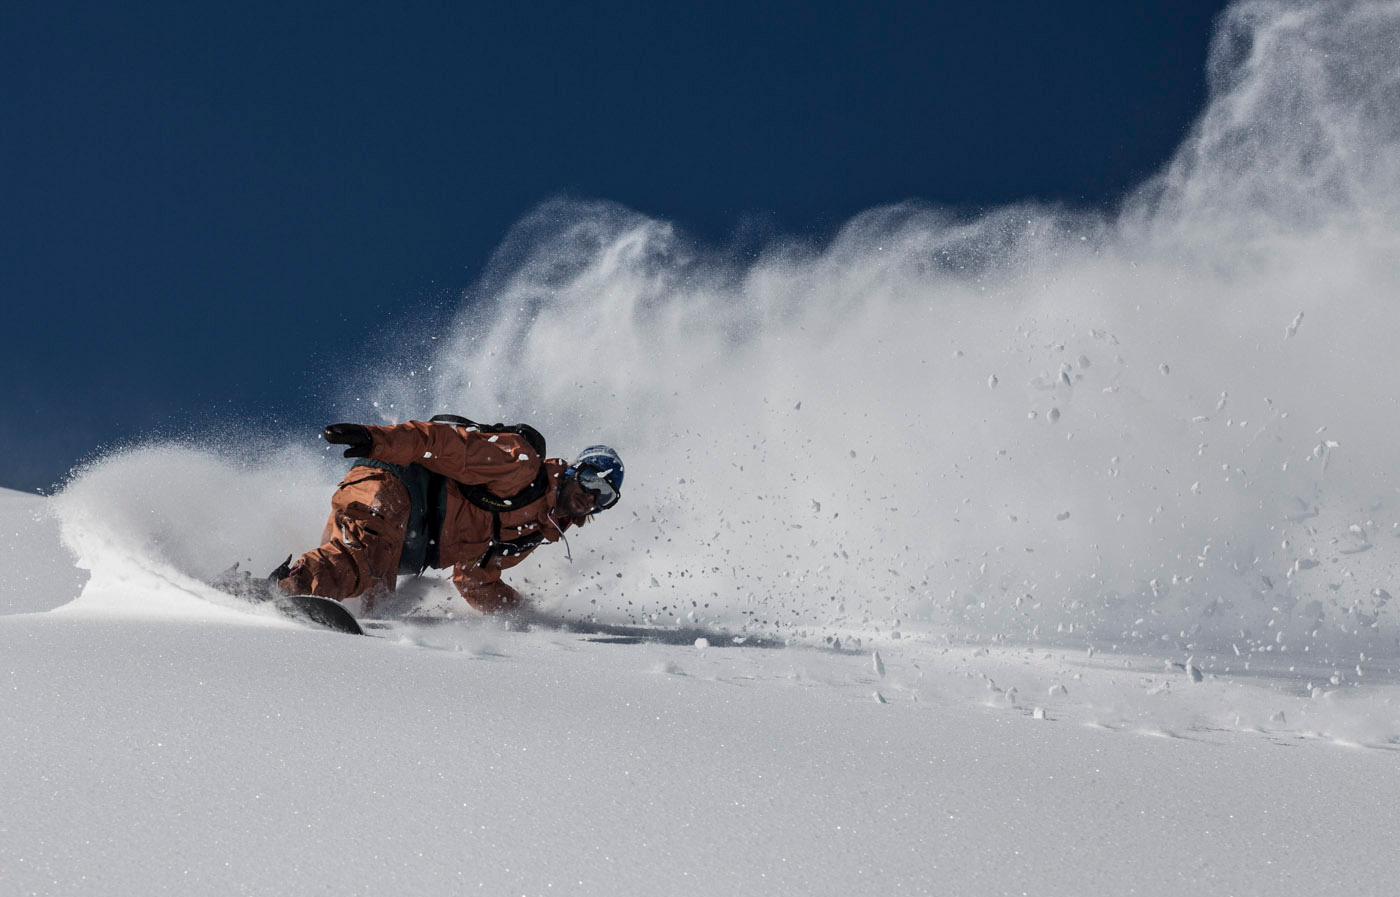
591, 480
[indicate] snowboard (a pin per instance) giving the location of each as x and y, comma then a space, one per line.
318, 611
311, 609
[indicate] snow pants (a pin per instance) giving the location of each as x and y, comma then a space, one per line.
362, 540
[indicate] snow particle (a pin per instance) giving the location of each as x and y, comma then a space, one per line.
878, 664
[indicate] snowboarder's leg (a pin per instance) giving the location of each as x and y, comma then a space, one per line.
362, 541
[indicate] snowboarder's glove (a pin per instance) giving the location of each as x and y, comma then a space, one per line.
358, 439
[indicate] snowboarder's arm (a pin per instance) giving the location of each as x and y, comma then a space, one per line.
504, 462
484, 589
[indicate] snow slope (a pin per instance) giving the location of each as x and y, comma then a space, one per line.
157, 740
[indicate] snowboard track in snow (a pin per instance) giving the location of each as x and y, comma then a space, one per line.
593, 631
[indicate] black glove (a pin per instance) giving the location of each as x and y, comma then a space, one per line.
282, 572
358, 438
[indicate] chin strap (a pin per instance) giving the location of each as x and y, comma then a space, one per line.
568, 553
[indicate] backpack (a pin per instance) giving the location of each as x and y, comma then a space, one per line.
480, 495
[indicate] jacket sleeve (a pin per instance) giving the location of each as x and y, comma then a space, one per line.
483, 589
505, 463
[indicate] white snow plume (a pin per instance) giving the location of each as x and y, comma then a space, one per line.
812, 446
152, 524
1299, 135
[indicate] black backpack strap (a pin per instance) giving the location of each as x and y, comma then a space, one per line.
488, 501
508, 547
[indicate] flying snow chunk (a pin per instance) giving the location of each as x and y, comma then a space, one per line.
702, 643
879, 665
992, 382
879, 698
1292, 330
1166, 369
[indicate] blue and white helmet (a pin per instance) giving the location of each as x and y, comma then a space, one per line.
596, 466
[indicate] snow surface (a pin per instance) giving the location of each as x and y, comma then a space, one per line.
1030, 552
160, 739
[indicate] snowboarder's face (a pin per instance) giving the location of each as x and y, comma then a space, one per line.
573, 500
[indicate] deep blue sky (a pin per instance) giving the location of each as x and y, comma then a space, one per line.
207, 207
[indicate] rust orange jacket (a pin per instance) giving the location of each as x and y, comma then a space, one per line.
504, 463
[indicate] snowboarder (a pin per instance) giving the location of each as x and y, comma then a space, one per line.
447, 493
